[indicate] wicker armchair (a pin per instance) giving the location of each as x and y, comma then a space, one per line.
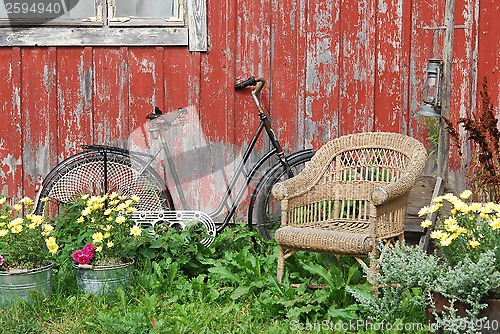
350, 196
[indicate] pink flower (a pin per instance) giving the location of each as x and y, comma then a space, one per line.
85, 258
1, 260
76, 255
89, 249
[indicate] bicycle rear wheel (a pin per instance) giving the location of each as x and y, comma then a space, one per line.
264, 213
97, 172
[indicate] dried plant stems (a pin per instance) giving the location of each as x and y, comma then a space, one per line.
483, 171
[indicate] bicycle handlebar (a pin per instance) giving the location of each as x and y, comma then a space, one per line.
248, 82
252, 81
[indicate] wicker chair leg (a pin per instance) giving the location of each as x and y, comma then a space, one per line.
282, 256
281, 264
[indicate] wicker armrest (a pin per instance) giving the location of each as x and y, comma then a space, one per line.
282, 190
296, 186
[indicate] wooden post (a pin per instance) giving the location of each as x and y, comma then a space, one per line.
443, 147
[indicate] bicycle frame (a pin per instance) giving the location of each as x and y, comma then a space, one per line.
275, 150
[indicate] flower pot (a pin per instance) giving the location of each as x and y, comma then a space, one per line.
99, 280
491, 312
19, 285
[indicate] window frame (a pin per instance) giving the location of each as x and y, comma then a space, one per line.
189, 30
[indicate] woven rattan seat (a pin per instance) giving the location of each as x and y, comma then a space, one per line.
352, 195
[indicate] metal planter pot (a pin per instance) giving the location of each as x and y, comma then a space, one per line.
20, 285
99, 280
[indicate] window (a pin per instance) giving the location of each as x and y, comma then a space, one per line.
119, 22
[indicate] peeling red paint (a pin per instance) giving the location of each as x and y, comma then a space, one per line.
333, 67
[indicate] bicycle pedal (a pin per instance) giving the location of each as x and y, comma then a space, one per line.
178, 219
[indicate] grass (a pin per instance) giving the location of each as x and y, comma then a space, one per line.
181, 287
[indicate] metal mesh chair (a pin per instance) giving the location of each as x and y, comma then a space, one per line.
352, 195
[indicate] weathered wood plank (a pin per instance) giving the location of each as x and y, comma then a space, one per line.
109, 115
11, 130
101, 36
323, 75
197, 16
287, 84
74, 93
391, 67
357, 66
39, 119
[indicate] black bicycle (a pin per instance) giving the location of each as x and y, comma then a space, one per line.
102, 169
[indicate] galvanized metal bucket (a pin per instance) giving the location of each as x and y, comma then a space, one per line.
20, 285
99, 280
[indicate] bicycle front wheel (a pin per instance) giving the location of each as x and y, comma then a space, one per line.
264, 213
97, 172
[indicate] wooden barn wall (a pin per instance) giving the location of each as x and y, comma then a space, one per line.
333, 67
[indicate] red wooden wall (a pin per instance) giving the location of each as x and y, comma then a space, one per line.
333, 67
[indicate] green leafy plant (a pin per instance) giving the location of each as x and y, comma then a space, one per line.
98, 230
405, 275
26, 240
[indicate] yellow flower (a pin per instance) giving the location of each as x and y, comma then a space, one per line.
135, 230
18, 207
37, 219
3, 200
436, 234
15, 222
16, 229
426, 223
435, 207
121, 207
452, 228
108, 212
461, 207
113, 195
85, 197
48, 228
446, 242
80, 219
438, 199
121, 219
106, 235
32, 226
53, 249
476, 207
444, 236
98, 249
51, 245
135, 198
3, 233
495, 223
87, 211
97, 237
423, 211
110, 244
465, 194
473, 243
26, 200
450, 197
